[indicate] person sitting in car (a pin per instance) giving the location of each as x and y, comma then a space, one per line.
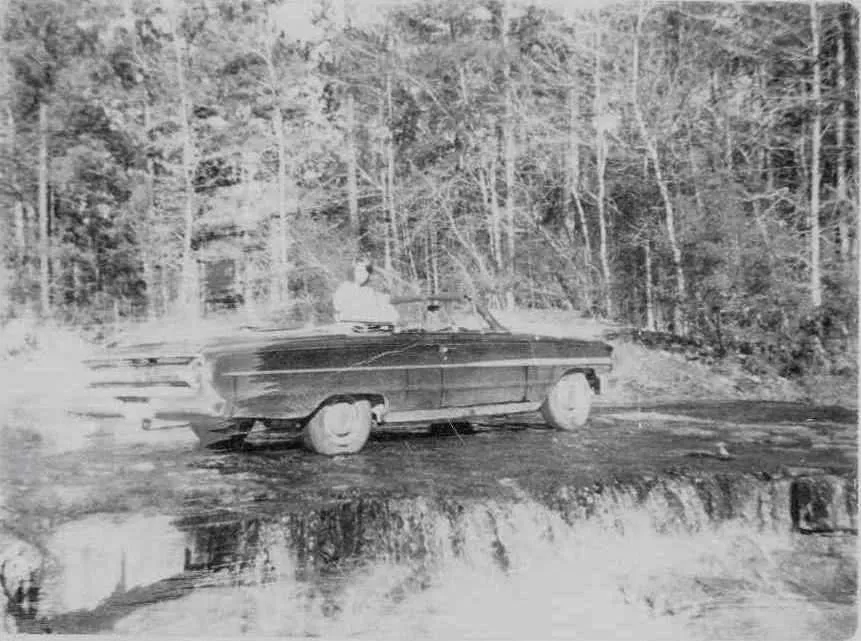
356, 301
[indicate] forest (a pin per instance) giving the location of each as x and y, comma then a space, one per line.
686, 167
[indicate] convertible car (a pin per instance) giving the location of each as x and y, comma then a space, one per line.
447, 359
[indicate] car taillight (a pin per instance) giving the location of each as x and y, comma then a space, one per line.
194, 374
202, 381
200, 375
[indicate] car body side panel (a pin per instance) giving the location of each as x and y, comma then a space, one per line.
541, 379
288, 379
480, 370
291, 381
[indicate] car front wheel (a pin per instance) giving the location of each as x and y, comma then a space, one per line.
340, 427
568, 403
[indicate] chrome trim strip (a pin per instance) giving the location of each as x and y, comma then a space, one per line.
515, 362
451, 413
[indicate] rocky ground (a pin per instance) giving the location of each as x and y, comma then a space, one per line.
103, 528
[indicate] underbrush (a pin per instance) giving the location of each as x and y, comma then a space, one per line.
42, 376
642, 375
816, 366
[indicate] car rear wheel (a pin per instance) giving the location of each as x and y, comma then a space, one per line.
568, 403
340, 427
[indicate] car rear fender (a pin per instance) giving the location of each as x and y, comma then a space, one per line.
379, 404
591, 376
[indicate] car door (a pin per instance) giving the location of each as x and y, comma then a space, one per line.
289, 378
415, 382
403, 368
482, 368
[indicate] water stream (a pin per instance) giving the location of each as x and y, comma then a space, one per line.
508, 533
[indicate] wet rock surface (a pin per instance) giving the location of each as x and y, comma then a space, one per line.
125, 532
20, 580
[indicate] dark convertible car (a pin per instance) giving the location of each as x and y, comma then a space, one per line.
447, 359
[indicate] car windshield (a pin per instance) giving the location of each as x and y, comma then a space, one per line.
430, 314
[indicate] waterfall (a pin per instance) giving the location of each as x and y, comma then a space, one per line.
671, 555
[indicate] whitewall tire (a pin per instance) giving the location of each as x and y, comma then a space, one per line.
340, 427
569, 402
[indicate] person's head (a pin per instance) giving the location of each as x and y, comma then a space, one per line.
361, 271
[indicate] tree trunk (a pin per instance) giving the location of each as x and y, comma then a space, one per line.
148, 229
44, 246
19, 218
815, 274
487, 184
278, 290
602, 225
428, 266
434, 259
510, 159
352, 167
246, 269
55, 264
601, 150
164, 287
857, 204
510, 154
802, 163
763, 175
844, 208
757, 208
387, 227
575, 205
669, 213
495, 216
188, 290
278, 229
586, 239
650, 302
573, 161
7, 138
78, 295
695, 173
20, 224
394, 252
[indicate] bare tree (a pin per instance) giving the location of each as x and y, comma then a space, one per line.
278, 289
44, 241
601, 154
487, 185
815, 175
652, 151
352, 164
650, 298
843, 206
392, 245
189, 279
574, 172
17, 239
574, 210
269, 30
509, 148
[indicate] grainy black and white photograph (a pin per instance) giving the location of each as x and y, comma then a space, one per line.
429, 319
